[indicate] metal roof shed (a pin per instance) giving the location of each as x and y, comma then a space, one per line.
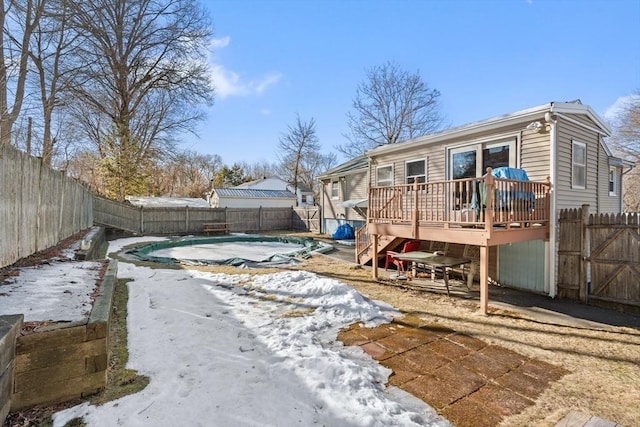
251, 198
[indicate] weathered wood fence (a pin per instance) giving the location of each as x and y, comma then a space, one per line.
190, 220
599, 258
39, 206
306, 219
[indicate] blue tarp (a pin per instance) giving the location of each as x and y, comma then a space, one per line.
504, 198
343, 232
510, 173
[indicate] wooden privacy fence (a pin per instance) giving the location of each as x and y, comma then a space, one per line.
599, 258
190, 220
39, 206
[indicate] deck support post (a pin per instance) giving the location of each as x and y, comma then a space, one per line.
415, 213
484, 279
374, 260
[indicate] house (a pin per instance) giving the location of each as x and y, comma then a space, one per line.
427, 189
343, 198
250, 198
304, 195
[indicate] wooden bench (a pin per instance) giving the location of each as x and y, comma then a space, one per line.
216, 227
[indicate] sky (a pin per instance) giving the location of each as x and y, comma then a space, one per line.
221, 349
273, 59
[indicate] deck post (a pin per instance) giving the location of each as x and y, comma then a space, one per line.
490, 186
484, 279
415, 214
374, 260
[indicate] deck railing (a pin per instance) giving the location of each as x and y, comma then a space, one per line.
481, 202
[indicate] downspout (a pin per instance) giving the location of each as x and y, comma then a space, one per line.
552, 286
322, 212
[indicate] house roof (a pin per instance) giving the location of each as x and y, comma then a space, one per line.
259, 180
252, 193
357, 164
168, 202
535, 113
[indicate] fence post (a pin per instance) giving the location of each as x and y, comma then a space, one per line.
186, 208
141, 219
584, 254
260, 218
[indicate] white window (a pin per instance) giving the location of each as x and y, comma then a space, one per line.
384, 176
578, 165
613, 179
415, 171
472, 161
335, 190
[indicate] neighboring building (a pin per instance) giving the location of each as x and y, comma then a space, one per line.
343, 196
559, 141
251, 198
168, 202
304, 195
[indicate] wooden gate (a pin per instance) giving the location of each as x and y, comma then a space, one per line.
615, 258
599, 258
306, 219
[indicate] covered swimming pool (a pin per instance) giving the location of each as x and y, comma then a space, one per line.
235, 250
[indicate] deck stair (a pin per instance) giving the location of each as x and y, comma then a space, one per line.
364, 246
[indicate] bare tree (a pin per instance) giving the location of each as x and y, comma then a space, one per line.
392, 105
50, 47
260, 169
314, 165
625, 141
295, 147
187, 174
18, 19
144, 77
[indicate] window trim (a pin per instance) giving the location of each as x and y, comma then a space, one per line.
575, 144
337, 188
392, 175
613, 173
406, 168
512, 140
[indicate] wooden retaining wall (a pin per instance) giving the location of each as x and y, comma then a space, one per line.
64, 362
10, 327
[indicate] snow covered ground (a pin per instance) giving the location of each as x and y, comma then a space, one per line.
237, 350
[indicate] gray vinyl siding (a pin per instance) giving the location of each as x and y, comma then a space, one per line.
534, 155
434, 154
566, 196
354, 186
607, 203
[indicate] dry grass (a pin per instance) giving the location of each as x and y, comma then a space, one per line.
604, 363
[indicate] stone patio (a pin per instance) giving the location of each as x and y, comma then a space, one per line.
469, 382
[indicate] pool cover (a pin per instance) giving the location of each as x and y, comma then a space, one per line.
308, 246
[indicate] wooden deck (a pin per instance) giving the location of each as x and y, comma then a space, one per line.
483, 211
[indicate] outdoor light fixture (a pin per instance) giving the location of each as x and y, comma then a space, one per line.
535, 126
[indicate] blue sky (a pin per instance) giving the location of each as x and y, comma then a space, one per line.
272, 59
